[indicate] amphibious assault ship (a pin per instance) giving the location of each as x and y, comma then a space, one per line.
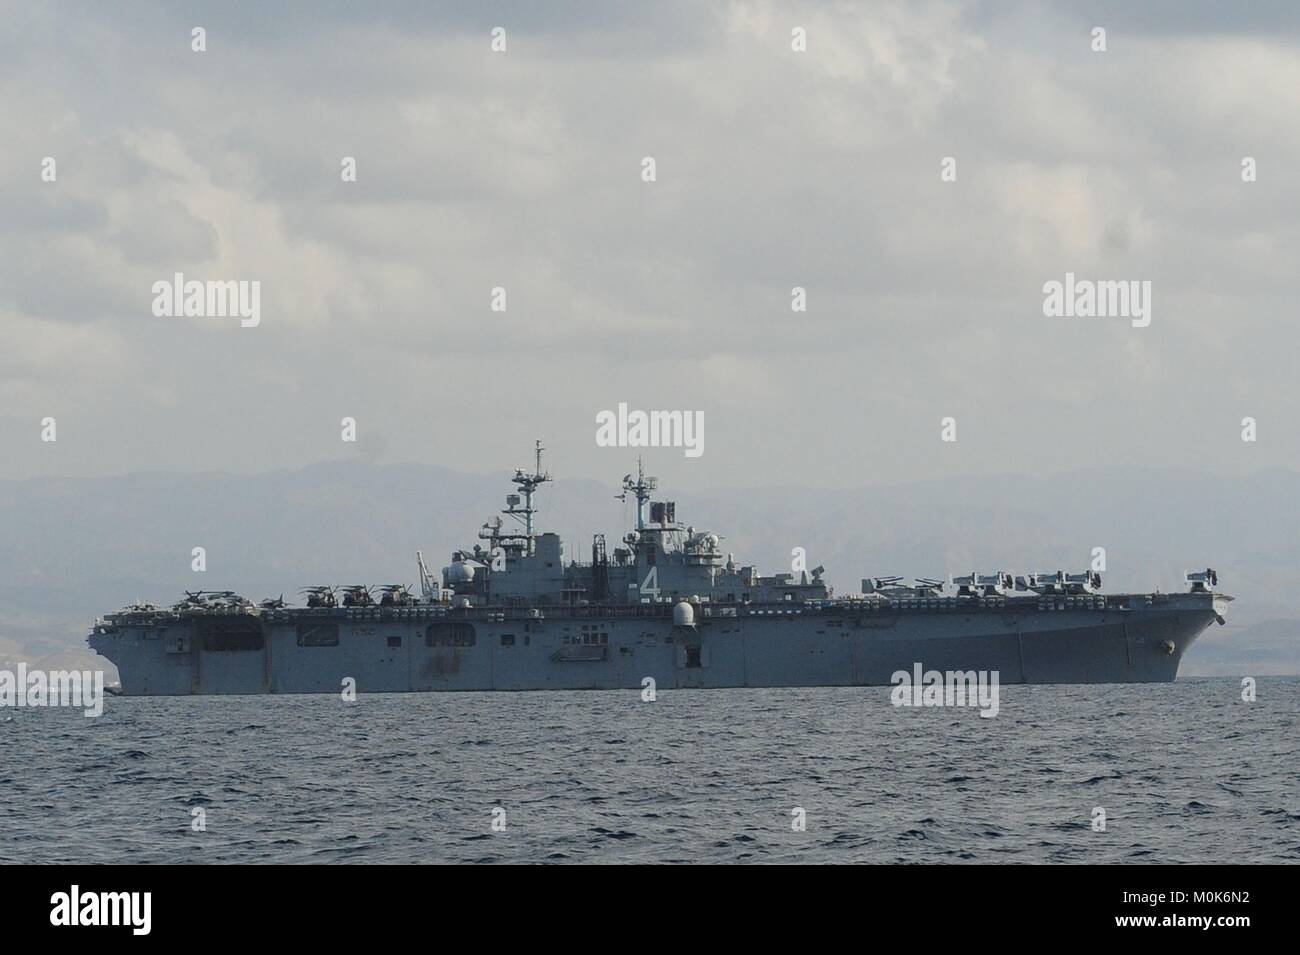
511, 613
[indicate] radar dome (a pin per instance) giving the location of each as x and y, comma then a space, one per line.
459, 573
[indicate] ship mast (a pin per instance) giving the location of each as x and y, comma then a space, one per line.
641, 488
528, 483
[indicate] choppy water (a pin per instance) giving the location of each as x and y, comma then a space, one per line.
1186, 772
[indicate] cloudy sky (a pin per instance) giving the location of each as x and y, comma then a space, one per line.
775, 169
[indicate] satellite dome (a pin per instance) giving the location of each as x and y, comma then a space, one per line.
459, 573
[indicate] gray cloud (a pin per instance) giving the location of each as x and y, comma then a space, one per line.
776, 169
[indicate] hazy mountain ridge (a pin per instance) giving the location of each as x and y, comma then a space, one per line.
75, 548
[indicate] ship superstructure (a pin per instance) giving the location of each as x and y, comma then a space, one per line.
661, 560
667, 603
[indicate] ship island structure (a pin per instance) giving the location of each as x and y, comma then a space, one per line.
512, 613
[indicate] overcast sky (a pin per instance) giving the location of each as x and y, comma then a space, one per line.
775, 169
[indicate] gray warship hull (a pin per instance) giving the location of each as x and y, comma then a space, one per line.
667, 606
1034, 639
